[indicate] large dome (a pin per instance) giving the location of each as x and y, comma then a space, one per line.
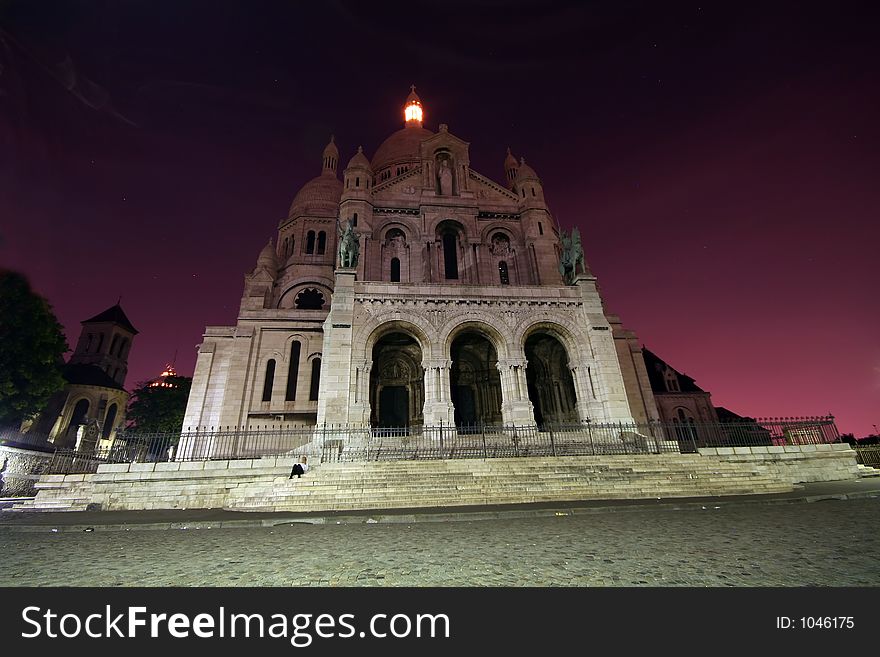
400, 146
318, 196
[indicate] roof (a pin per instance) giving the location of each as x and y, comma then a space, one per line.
656, 366
113, 314
726, 415
318, 196
400, 146
89, 375
359, 160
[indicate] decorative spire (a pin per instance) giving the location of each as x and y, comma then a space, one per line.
510, 167
331, 156
412, 109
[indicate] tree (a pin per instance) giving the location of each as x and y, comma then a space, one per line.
159, 407
31, 353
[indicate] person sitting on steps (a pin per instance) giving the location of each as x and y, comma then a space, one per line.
299, 469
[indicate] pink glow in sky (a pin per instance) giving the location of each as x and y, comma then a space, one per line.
721, 164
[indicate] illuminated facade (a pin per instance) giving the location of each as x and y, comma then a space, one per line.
162, 380
455, 311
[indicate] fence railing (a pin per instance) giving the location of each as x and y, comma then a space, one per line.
348, 443
868, 455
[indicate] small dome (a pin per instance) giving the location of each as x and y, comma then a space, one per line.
267, 257
318, 196
402, 145
330, 148
525, 172
359, 160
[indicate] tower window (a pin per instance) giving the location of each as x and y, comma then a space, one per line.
503, 274
533, 191
315, 383
450, 255
90, 337
293, 371
269, 380
322, 242
354, 219
395, 270
540, 228
357, 181
310, 242
100, 342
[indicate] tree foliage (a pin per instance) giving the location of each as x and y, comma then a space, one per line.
159, 408
31, 352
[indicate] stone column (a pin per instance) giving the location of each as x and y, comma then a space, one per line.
605, 367
438, 407
588, 407
516, 408
334, 401
359, 413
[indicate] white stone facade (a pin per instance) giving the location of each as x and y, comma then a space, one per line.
455, 313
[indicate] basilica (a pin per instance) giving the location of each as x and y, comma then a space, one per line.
414, 291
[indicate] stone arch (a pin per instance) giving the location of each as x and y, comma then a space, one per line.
450, 239
549, 381
474, 379
486, 233
288, 299
79, 414
373, 330
557, 325
397, 379
453, 328
395, 247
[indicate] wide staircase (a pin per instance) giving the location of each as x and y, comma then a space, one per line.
262, 485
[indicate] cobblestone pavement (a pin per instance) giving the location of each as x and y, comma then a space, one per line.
832, 543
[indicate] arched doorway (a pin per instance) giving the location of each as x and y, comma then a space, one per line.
475, 381
77, 418
109, 421
549, 382
397, 382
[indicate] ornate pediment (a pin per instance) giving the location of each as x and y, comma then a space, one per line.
489, 191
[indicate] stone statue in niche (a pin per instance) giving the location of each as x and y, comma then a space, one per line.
444, 176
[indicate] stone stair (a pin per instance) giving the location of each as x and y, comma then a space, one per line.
421, 484
262, 484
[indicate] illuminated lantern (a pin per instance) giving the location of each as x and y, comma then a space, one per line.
412, 109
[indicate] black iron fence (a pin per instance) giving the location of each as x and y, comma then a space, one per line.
336, 442
868, 455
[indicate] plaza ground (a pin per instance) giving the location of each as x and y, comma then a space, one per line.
821, 535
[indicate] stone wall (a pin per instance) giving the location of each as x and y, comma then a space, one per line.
20, 469
795, 463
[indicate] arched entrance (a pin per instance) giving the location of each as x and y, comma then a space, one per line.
549, 382
475, 381
397, 382
77, 418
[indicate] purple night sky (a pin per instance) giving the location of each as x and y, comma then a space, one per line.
721, 162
